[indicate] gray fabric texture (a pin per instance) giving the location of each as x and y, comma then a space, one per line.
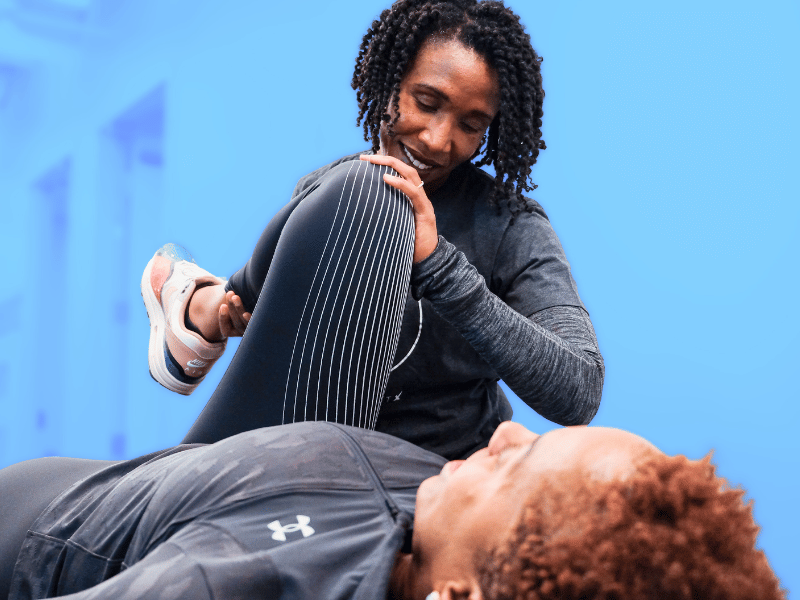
551, 360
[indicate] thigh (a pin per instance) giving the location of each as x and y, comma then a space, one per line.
26, 489
248, 281
322, 337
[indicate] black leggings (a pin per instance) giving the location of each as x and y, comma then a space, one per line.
330, 276
329, 279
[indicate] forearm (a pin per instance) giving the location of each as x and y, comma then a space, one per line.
550, 361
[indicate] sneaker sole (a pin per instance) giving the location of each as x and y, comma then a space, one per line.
157, 348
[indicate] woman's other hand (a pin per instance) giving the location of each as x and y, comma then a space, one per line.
233, 318
426, 236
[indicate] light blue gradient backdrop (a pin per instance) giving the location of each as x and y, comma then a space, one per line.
670, 177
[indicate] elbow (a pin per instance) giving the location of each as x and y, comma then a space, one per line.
584, 408
585, 402
582, 413
576, 400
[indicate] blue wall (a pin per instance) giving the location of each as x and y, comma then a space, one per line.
671, 133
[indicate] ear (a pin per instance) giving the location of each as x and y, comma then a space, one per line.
461, 590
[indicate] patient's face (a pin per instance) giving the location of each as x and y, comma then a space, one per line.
475, 504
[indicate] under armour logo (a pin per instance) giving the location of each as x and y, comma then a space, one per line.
301, 526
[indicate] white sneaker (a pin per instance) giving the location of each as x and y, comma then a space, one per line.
179, 358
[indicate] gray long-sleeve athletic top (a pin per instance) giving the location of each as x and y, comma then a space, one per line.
550, 360
498, 302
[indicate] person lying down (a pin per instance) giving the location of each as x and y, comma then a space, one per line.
320, 510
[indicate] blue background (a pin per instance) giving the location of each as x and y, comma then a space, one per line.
672, 135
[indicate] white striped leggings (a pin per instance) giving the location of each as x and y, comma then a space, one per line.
326, 285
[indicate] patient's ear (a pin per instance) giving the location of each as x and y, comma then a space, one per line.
461, 590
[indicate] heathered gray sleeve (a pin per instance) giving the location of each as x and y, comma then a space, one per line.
550, 361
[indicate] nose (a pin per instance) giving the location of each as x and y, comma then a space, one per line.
508, 434
437, 136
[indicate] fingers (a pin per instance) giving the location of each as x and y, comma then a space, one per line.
426, 237
233, 318
407, 172
415, 193
226, 327
409, 182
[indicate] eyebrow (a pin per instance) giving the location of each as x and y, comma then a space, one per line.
441, 94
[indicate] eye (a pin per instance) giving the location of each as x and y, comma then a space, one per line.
503, 455
425, 106
514, 450
471, 128
476, 126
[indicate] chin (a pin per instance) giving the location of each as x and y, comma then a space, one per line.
427, 492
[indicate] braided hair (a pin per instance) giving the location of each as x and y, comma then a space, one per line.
491, 30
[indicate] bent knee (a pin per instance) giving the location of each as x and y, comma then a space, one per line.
359, 179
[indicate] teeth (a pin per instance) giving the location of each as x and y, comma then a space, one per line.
415, 162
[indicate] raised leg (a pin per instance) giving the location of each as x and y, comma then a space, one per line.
324, 330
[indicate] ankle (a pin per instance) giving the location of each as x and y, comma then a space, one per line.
203, 310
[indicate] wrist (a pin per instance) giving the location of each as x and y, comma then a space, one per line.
421, 271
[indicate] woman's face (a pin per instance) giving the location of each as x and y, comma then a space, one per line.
477, 503
447, 100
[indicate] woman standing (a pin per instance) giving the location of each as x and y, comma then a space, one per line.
439, 83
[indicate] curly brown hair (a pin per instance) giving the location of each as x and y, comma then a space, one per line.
672, 531
495, 33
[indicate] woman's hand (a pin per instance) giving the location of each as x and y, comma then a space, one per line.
426, 237
232, 316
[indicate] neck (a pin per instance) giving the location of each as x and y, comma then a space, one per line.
401, 581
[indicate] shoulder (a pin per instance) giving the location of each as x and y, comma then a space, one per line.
468, 182
330, 452
470, 219
382, 450
472, 185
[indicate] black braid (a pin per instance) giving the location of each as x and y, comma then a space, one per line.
495, 33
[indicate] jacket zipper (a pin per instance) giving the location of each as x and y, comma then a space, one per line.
387, 498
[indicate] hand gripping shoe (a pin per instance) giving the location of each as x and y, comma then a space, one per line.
179, 358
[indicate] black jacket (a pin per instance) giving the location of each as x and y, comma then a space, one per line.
310, 510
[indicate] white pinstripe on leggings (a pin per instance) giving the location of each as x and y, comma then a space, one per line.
350, 324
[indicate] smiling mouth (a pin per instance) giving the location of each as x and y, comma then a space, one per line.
418, 165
